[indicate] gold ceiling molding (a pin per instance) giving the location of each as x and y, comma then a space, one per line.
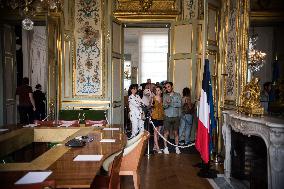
146, 4
146, 9
266, 16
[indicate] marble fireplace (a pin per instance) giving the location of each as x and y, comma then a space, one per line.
270, 129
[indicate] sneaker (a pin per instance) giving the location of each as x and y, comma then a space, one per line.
177, 150
159, 151
166, 150
180, 143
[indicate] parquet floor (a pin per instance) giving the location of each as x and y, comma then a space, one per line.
160, 171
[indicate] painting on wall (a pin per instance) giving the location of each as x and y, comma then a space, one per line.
88, 68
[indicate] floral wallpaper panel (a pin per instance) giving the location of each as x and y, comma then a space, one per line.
231, 52
88, 65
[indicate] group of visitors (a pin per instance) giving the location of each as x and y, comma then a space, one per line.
168, 110
31, 105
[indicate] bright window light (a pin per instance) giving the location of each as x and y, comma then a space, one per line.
154, 50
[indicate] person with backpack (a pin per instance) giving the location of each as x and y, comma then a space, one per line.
187, 110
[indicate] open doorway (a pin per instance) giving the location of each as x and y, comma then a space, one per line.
146, 54
146, 49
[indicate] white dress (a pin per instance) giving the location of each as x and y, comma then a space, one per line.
136, 113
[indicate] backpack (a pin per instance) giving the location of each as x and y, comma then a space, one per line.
186, 109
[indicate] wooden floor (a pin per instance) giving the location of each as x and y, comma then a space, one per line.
160, 171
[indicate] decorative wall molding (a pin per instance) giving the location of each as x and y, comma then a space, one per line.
271, 130
190, 9
146, 9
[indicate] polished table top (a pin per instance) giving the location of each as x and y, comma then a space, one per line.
66, 172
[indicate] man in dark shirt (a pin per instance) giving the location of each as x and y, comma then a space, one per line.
26, 104
39, 98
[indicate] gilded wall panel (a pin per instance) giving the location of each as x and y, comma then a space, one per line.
182, 74
199, 71
183, 39
199, 41
68, 10
88, 68
212, 25
233, 49
116, 38
190, 9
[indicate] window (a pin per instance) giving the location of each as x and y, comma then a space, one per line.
127, 74
154, 49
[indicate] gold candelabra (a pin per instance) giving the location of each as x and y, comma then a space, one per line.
250, 98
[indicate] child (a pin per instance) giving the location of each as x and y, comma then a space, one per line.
135, 108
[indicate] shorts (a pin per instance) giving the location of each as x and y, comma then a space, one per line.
158, 122
171, 123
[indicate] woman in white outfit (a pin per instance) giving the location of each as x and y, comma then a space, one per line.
135, 108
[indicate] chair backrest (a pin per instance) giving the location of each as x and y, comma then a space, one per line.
71, 123
45, 123
48, 184
145, 140
134, 139
132, 160
114, 181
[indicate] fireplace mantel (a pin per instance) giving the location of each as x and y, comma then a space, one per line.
270, 129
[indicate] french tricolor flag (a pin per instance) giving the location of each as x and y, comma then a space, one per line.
206, 120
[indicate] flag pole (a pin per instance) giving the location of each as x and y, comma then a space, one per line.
206, 125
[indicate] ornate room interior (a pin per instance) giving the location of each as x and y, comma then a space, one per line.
86, 53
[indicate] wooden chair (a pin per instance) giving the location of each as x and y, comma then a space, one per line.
113, 180
131, 162
48, 184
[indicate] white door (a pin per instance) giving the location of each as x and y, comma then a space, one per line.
117, 100
186, 55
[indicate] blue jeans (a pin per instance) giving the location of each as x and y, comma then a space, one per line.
185, 124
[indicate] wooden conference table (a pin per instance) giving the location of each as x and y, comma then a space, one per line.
59, 159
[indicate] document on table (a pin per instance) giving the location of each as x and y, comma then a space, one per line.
2, 130
65, 125
33, 177
107, 140
97, 125
88, 158
111, 129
